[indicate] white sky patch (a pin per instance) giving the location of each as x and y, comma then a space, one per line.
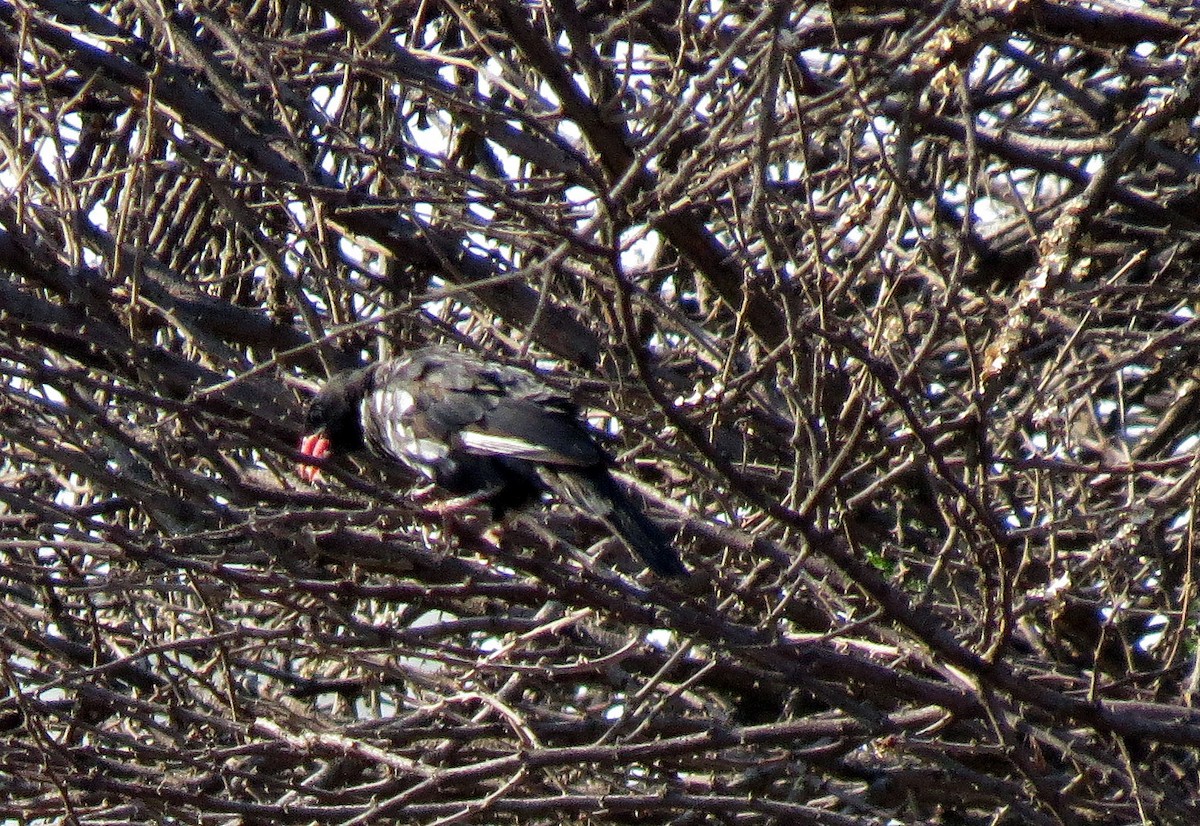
388, 707
702, 105
328, 99
1158, 625
489, 77
485, 243
98, 215
568, 130
552, 101
352, 250
433, 136
70, 126
639, 247
854, 236
985, 65
580, 197
604, 422
987, 210
510, 163
294, 261
181, 132
638, 58
425, 620
46, 149
298, 210
1136, 431
477, 207
73, 492
660, 638
364, 309
423, 211
993, 118
787, 171
1188, 445
1181, 521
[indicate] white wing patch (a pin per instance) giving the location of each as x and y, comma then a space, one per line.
427, 451
399, 400
494, 445
394, 436
389, 412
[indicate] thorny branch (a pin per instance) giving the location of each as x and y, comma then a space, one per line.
889, 310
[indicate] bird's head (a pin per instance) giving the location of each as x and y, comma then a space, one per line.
333, 423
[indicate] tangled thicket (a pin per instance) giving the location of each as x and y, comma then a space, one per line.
890, 308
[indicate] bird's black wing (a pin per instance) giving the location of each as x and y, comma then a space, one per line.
470, 425
439, 401
529, 430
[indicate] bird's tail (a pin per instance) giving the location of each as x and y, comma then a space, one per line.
598, 493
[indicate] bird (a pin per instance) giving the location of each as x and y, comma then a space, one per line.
483, 431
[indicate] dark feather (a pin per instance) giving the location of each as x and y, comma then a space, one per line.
595, 491
485, 430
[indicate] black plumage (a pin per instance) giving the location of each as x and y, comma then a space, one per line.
482, 430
